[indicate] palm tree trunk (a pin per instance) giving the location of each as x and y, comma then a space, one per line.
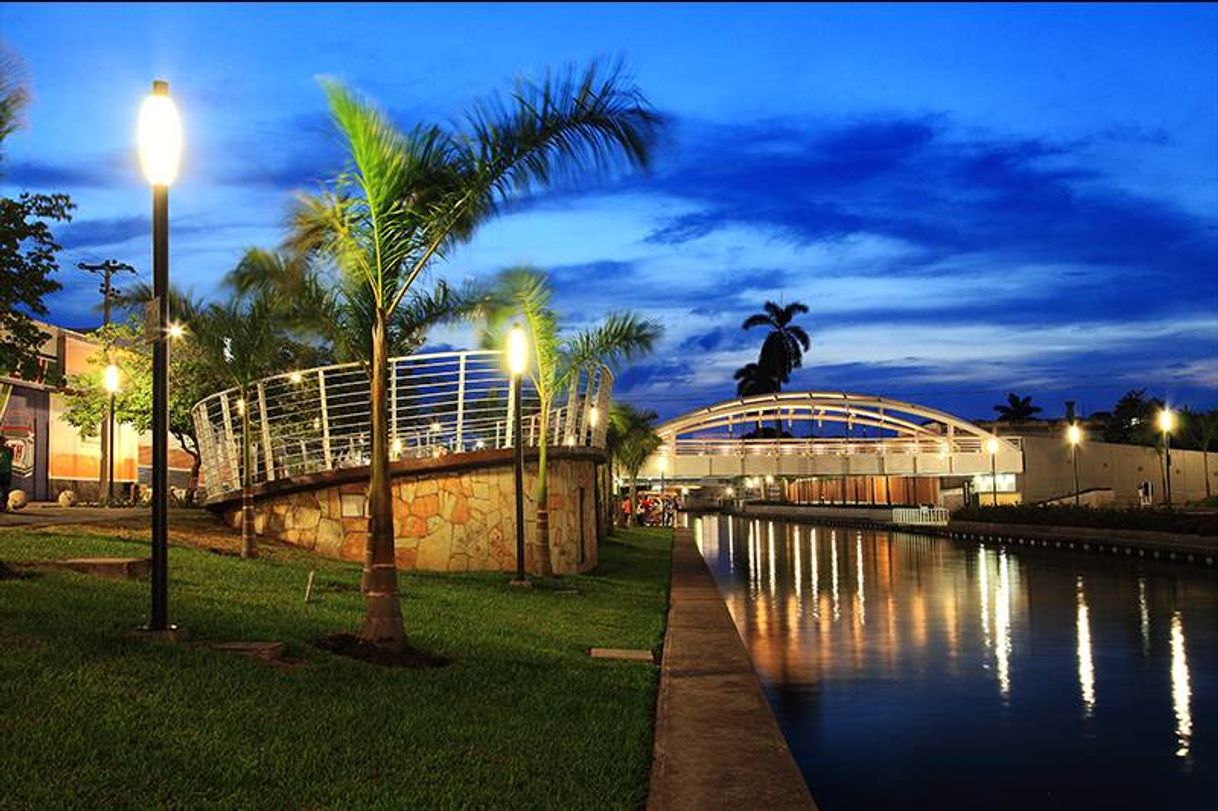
249, 542
541, 556
1205, 462
382, 608
634, 499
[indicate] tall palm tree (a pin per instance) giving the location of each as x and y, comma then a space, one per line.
756, 378
556, 364
1202, 428
784, 346
630, 440
1017, 409
406, 197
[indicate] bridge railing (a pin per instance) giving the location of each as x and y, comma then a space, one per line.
314, 420
832, 446
921, 516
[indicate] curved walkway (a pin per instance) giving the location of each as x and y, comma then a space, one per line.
717, 745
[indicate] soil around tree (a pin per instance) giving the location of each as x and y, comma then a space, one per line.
9, 573
355, 648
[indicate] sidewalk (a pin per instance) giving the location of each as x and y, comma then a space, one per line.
717, 745
41, 514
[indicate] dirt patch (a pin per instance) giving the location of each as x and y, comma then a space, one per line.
9, 573
352, 646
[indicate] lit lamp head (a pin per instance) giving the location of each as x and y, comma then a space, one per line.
517, 351
769, 479
160, 136
1167, 421
110, 379
594, 416
991, 446
1074, 434
176, 330
662, 464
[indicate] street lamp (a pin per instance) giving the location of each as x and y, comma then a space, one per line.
518, 364
160, 145
1167, 421
991, 445
1074, 435
110, 381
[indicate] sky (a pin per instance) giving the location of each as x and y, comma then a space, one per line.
970, 199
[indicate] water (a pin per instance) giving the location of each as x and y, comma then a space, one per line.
914, 671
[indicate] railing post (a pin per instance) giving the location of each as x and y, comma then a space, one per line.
460, 404
267, 454
230, 441
325, 419
572, 411
393, 400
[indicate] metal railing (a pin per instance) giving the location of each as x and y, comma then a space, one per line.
921, 516
834, 446
314, 420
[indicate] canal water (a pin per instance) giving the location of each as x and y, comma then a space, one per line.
913, 671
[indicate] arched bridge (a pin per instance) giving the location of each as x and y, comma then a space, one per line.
827, 433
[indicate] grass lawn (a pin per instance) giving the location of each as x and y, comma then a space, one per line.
92, 717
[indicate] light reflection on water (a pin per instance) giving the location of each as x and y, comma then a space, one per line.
1042, 671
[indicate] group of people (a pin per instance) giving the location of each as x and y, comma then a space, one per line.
651, 511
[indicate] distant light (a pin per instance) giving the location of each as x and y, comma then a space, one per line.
110, 379
731, 491
176, 330
517, 351
435, 426
240, 405
662, 463
316, 423
397, 446
1167, 421
1074, 434
769, 479
991, 445
160, 136
295, 377
594, 416
479, 445
569, 441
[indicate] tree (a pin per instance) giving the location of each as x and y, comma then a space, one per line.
630, 440
87, 402
406, 197
1202, 428
784, 346
27, 248
1017, 409
1132, 419
756, 378
555, 363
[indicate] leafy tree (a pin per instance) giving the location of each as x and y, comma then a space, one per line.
406, 197
631, 438
27, 247
1132, 419
784, 346
1201, 427
87, 402
1017, 409
556, 364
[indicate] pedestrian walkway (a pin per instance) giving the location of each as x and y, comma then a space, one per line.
717, 745
43, 515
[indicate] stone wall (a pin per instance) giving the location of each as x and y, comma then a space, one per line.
444, 519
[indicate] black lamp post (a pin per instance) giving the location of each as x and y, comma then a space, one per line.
518, 362
1166, 423
160, 140
111, 383
1075, 435
991, 445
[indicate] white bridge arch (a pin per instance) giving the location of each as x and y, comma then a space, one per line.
844, 434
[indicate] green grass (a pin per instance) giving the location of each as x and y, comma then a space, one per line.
92, 717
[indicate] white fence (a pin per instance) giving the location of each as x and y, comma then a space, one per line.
315, 420
921, 516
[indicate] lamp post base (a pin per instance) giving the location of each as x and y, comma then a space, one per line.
520, 584
173, 633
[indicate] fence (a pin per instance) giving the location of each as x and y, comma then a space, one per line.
314, 420
921, 516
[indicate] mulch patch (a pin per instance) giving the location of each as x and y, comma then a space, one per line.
355, 648
9, 573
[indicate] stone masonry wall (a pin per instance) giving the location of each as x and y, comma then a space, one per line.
443, 521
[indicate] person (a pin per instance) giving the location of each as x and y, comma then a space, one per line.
6, 471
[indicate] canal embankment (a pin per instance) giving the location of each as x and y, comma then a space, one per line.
1198, 549
717, 743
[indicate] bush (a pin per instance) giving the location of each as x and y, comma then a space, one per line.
1153, 520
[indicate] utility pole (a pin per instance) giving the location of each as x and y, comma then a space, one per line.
106, 270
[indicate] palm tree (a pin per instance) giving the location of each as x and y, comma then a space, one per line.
784, 347
1017, 409
630, 440
555, 364
756, 378
406, 197
1202, 428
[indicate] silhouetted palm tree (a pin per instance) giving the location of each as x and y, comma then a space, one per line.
754, 378
1017, 409
783, 349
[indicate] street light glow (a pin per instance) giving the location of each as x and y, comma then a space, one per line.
991, 445
662, 463
176, 330
160, 136
594, 416
517, 351
1074, 434
1167, 420
110, 379
295, 378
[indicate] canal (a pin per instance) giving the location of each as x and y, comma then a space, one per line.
914, 671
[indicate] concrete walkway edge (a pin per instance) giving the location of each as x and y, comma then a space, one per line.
717, 745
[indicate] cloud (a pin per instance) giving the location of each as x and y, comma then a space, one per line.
50, 177
86, 234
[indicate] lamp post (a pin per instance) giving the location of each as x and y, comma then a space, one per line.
991, 445
1074, 435
663, 465
518, 363
111, 383
1167, 422
160, 144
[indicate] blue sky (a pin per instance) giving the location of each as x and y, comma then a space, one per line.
971, 199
